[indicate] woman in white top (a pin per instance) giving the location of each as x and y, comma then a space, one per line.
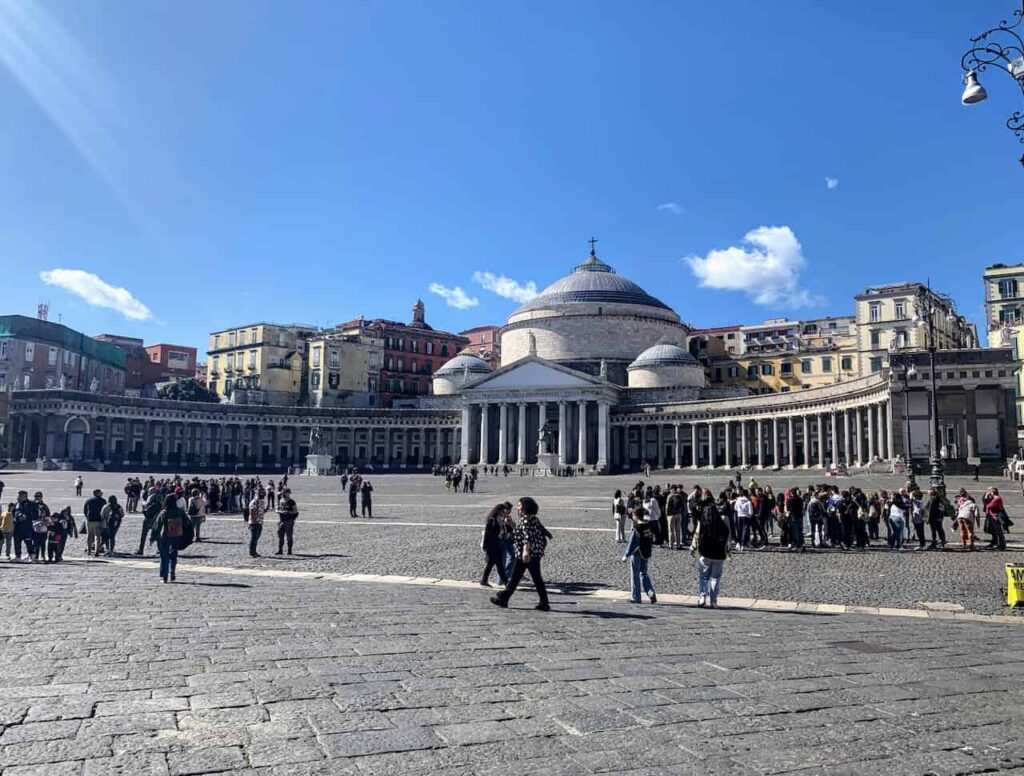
619, 513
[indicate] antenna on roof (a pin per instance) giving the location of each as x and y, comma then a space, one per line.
43, 311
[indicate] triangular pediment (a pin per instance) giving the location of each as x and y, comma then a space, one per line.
533, 372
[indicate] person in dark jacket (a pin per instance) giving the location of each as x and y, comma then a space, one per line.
935, 513
287, 512
353, 491
710, 547
169, 532
62, 525
638, 553
93, 510
795, 518
26, 512
150, 510
366, 498
496, 530
531, 539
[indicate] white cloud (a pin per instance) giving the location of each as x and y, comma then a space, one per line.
506, 287
671, 207
766, 267
831, 183
454, 297
97, 292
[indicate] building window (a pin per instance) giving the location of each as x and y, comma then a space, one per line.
231, 340
767, 369
401, 365
876, 364
252, 359
901, 310
413, 367
214, 364
787, 368
875, 313
876, 341
30, 351
805, 366
415, 346
1009, 315
826, 364
316, 357
335, 359
1008, 289
241, 338
717, 377
846, 363
391, 364
429, 348
230, 361
734, 371
752, 372
315, 379
401, 343
332, 379
444, 350
216, 341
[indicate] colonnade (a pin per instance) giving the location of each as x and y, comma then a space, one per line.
580, 440
854, 436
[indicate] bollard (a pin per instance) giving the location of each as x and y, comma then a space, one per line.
1014, 584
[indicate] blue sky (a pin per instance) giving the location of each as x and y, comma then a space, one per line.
199, 165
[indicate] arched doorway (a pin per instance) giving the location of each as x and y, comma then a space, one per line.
75, 431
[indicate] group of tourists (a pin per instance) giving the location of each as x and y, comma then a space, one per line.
27, 525
454, 476
513, 547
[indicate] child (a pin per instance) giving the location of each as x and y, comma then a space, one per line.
638, 553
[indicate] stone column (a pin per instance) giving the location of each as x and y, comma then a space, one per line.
695, 441
485, 442
776, 447
678, 447
807, 442
108, 440
860, 435
603, 410
728, 444
658, 462
760, 443
846, 438
521, 436
790, 445
583, 434
711, 445
464, 459
563, 437
821, 439
889, 455
744, 448
971, 425
502, 437
871, 432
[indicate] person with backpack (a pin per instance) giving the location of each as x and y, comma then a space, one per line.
149, 512
196, 509
710, 547
7, 528
287, 512
40, 528
25, 514
171, 531
638, 553
816, 517
112, 515
935, 513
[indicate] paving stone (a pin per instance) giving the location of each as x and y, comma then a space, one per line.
210, 760
128, 765
378, 742
283, 752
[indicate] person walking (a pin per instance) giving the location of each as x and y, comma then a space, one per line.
257, 508
169, 531
531, 541
61, 526
196, 509
935, 513
287, 513
994, 510
492, 543
25, 514
619, 515
366, 498
353, 492
710, 547
93, 509
638, 553
7, 529
78, 485
112, 515
149, 512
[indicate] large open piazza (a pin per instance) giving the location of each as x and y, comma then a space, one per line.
374, 650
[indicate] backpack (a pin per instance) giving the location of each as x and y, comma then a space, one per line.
175, 528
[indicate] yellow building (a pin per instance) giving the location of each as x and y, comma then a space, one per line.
344, 371
886, 320
1004, 301
262, 363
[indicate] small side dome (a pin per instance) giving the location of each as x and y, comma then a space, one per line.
665, 366
466, 366
663, 355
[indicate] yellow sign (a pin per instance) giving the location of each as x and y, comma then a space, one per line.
1014, 584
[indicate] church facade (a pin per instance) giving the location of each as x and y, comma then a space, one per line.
595, 367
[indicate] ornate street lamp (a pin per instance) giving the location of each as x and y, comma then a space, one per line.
905, 369
928, 305
1003, 49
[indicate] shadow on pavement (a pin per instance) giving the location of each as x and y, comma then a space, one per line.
606, 615
215, 584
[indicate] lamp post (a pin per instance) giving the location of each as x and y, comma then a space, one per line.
906, 370
928, 305
1003, 49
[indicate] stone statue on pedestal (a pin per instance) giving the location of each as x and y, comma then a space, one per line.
545, 440
316, 441
94, 385
63, 382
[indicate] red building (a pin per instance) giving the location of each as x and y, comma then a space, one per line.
484, 341
169, 362
412, 353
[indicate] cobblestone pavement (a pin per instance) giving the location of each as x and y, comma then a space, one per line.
105, 670
422, 530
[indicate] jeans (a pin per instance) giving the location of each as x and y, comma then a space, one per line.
255, 530
638, 577
675, 530
168, 556
620, 527
897, 527
517, 575
817, 532
744, 531
112, 529
39, 546
509, 550
495, 562
796, 531
5, 542
285, 532
919, 532
94, 536
709, 578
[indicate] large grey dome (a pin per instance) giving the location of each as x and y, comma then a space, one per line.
663, 355
465, 362
592, 282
